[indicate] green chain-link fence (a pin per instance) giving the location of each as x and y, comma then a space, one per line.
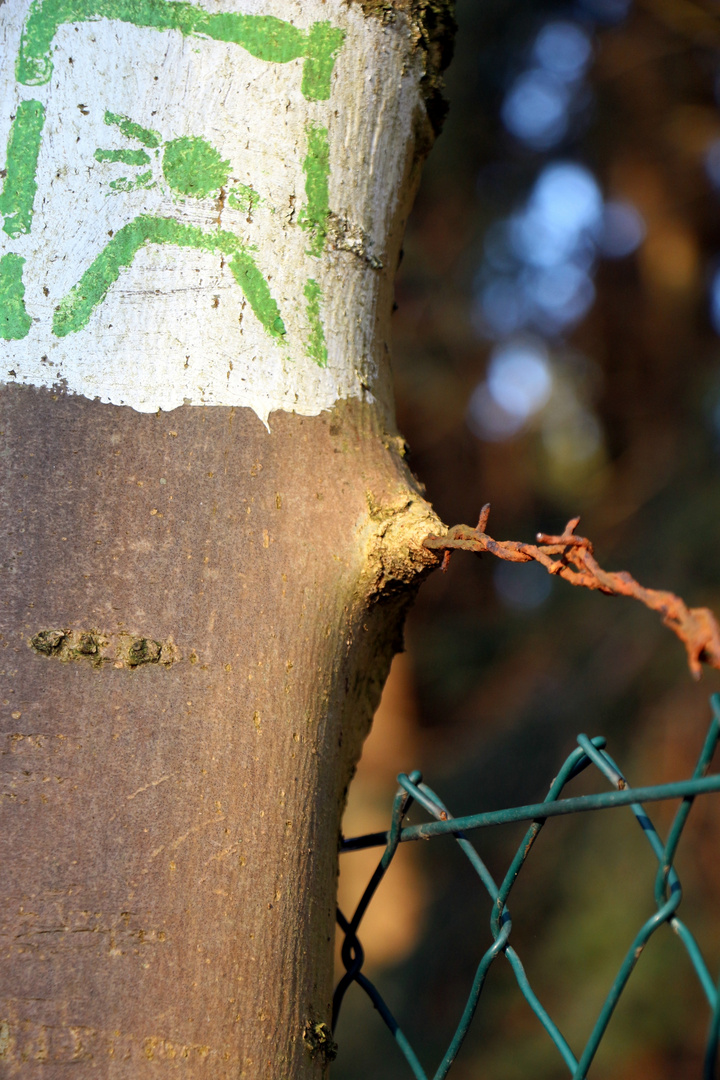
668, 892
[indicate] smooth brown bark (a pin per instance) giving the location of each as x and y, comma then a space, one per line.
171, 817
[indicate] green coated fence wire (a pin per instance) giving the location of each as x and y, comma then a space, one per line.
668, 892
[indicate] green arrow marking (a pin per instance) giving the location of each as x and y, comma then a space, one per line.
124, 157
324, 43
244, 198
122, 184
74, 311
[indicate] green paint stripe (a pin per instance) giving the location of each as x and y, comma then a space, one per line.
74, 311
16, 201
131, 130
263, 36
14, 320
256, 288
124, 157
316, 167
316, 346
325, 42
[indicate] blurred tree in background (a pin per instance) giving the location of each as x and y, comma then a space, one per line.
556, 353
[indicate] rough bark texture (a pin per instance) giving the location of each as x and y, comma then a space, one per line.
196, 619
433, 27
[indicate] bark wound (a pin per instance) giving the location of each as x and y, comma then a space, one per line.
102, 650
319, 1041
343, 235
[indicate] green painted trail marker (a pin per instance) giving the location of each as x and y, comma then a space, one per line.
185, 166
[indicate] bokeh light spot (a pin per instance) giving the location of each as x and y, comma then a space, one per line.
519, 378
568, 197
563, 213
622, 231
488, 420
536, 108
563, 48
712, 163
715, 302
564, 294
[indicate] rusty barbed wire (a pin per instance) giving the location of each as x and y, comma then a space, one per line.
571, 557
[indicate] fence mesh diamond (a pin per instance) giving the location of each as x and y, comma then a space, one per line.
667, 892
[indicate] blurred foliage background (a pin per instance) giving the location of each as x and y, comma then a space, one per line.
556, 352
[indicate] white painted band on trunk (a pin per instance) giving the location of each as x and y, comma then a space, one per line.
178, 323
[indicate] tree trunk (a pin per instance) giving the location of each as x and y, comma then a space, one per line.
209, 535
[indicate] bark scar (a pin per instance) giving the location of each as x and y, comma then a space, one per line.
117, 650
319, 1041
